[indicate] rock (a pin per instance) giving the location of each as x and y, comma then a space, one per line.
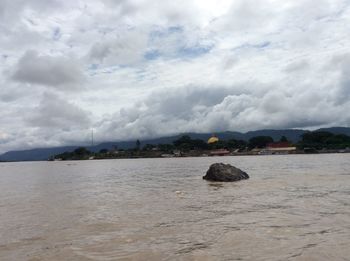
224, 172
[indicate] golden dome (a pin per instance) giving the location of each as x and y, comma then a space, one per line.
213, 140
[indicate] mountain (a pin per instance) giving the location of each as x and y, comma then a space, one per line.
34, 154
45, 153
292, 134
337, 130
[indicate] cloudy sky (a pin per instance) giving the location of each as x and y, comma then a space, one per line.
143, 68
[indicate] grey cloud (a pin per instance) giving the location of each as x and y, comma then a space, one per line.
120, 49
19, 37
10, 10
304, 12
164, 12
301, 79
248, 15
125, 7
57, 72
294, 66
8, 96
55, 113
341, 66
4, 137
187, 109
182, 102
220, 109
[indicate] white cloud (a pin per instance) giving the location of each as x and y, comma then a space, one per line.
120, 48
142, 68
56, 72
54, 112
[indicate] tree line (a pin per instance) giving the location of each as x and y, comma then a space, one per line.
316, 140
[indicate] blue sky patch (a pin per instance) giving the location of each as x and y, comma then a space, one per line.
152, 55
56, 34
194, 51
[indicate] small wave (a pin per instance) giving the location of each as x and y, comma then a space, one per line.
192, 247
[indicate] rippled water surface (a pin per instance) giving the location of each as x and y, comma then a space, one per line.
292, 208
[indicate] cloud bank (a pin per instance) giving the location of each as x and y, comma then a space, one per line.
140, 69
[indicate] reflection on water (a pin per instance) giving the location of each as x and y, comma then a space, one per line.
216, 185
292, 208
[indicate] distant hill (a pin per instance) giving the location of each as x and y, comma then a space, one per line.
337, 130
45, 153
34, 154
290, 134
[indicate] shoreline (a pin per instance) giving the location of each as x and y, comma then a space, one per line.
184, 156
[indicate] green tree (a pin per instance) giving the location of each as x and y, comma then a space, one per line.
259, 141
103, 151
283, 139
198, 144
148, 147
236, 144
323, 139
81, 151
186, 143
316, 136
138, 145
183, 140
165, 147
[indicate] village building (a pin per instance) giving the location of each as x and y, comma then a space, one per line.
280, 148
220, 152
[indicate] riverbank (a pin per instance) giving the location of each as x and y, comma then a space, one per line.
142, 155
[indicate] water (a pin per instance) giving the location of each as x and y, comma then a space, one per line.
294, 207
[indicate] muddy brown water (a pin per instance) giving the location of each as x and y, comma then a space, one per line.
294, 207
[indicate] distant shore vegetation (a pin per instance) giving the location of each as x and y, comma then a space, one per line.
185, 146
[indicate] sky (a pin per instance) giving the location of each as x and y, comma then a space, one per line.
137, 69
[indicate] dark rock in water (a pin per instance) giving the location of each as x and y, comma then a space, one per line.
224, 172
